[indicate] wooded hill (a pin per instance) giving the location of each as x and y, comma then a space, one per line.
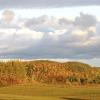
50, 72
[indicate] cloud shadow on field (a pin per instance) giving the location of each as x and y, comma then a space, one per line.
69, 98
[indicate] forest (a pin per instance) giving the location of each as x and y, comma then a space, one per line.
49, 72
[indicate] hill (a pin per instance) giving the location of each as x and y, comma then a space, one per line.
77, 66
50, 72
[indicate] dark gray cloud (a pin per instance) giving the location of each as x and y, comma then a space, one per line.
84, 21
46, 24
45, 3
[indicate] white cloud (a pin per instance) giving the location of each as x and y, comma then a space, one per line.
7, 31
78, 32
57, 33
12, 40
29, 33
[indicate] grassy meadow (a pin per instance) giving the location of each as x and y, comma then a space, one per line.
49, 92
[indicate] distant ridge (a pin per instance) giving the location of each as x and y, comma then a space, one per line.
44, 60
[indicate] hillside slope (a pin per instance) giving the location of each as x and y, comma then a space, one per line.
69, 73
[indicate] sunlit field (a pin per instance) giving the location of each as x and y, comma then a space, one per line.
49, 92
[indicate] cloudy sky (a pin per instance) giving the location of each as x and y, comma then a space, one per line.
50, 29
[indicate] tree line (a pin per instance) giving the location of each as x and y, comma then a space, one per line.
50, 72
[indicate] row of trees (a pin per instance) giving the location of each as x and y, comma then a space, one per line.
70, 73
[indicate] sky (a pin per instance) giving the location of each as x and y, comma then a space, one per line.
60, 30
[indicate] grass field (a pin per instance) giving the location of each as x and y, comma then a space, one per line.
49, 92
